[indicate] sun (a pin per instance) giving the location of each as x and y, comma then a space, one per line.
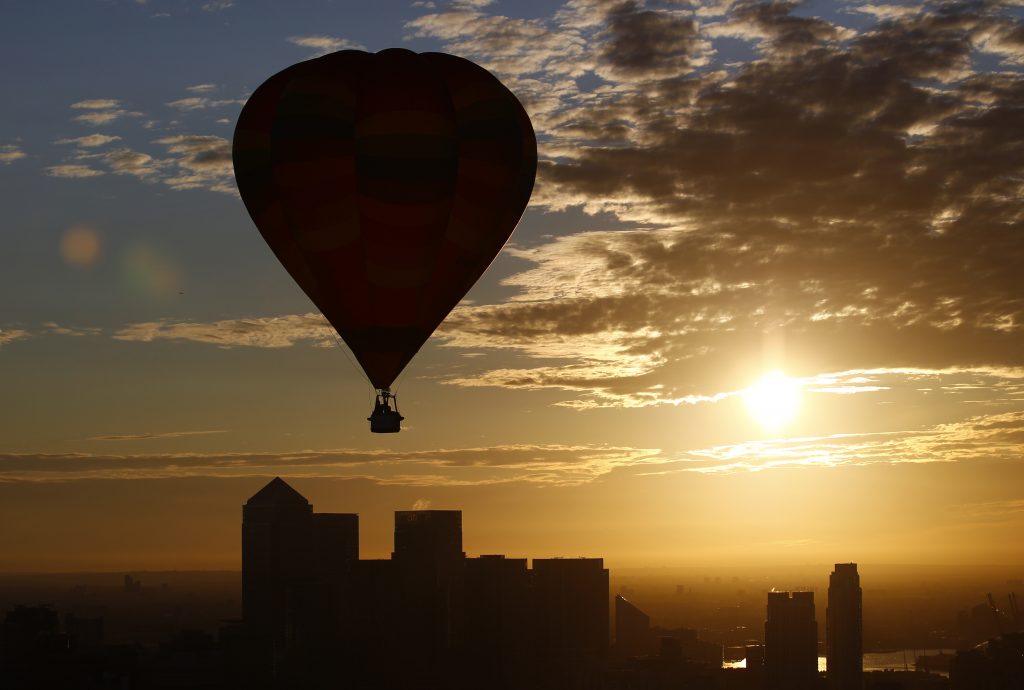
773, 400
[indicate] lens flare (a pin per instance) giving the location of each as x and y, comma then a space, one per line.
773, 401
149, 272
80, 246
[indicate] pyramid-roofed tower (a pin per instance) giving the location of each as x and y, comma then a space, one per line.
277, 492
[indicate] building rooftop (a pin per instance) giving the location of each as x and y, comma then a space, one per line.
277, 492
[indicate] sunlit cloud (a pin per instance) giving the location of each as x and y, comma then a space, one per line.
559, 465
75, 331
9, 335
200, 103
72, 171
101, 111
201, 88
89, 141
96, 104
268, 332
325, 44
200, 162
155, 436
765, 198
985, 437
10, 153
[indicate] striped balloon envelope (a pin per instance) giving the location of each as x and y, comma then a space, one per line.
385, 183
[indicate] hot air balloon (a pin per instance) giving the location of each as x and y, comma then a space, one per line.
385, 183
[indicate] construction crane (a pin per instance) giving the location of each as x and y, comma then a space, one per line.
997, 615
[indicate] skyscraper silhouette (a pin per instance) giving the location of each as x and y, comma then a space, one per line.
844, 629
294, 568
316, 616
790, 642
430, 569
633, 636
571, 620
277, 535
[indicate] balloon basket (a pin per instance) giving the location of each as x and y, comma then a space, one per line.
384, 419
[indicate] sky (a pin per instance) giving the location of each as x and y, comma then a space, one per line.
765, 306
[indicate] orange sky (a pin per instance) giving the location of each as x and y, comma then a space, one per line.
831, 191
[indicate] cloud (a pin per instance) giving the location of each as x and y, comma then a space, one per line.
9, 335
217, 5
200, 103
89, 141
128, 162
101, 111
201, 88
200, 161
72, 171
649, 44
270, 332
10, 153
161, 435
325, 44
993, 438
57, 329
774, 25
96, 104
856, 196
561, 465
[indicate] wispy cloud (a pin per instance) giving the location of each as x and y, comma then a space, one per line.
10, 153
536, 464
149, 436
72, 171
9, 335
271, 332
200, 161
201, 103
325, 44
997, 437
96, 104
89, 141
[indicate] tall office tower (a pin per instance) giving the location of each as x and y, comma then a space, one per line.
430, 571
790, 642
336, 540
277, 557
498, 653
570, 620
844, 629
428, 535
633, 636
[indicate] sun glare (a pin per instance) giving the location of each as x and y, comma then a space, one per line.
773, 400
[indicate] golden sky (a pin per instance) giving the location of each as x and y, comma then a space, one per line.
827, 194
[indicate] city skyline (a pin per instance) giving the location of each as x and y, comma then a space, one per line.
763, 308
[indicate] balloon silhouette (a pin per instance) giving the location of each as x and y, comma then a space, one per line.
385, 183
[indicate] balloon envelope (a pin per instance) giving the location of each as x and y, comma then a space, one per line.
385, 183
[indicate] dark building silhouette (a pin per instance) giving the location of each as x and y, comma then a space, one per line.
790, 642
633, 635
844, 629
429, 565
289, 558
315, 616
570, 598
997, 664
498, 644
